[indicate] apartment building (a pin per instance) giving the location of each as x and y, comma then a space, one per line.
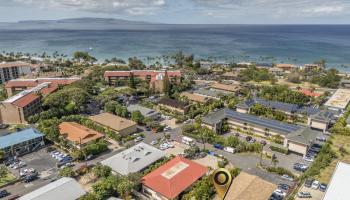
296, 138
17, 85
17, 109
22, 142
13, 70
155, 78
173, 105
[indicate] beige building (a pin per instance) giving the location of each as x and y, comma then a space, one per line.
296, 138
249, 187
173, 105
17, 109
121, 125
13, 70
195, 97
225, 87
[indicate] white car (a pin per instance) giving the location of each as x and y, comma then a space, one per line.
279, 192
308, 159
154, 142
315, 185
286, 176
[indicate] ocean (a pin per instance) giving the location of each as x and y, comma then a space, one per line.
297, 44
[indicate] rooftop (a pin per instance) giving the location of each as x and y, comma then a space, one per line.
245, 187
210, 93
78, 133
338, 188
340, 99
15, 64
304, 136
19, 137
173, 103
37, 81
225, 87
174, 177
134, 159
286, 107
144, 111
195, 97
112, 121
280, 127
67, 187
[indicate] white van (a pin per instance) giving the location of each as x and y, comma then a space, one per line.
187, 140
229, 149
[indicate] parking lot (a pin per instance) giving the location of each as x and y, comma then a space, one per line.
315, 194
39, 160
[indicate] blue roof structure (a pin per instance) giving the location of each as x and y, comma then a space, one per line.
19, 137
286, 107
275, 125
280, 127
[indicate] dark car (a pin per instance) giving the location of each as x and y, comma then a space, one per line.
308, 182
263, 142
218, 146
323, 187
283, 186
4, 193
30, 177
248, 138
90, 157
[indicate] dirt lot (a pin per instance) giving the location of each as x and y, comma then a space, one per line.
178, 149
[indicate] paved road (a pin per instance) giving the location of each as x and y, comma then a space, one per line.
246, 161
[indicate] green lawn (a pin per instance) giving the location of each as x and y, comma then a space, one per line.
337, 142
10, 177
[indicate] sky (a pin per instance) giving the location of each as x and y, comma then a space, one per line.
183, 11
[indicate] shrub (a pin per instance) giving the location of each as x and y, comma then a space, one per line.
280, 171
279, 149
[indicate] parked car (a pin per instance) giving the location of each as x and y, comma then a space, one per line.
300, 167
4, 193
308, 182
263, 142
280, 192
283, 186
218, 146
154, 142
308, 159
323, 187
287, 177
89, 157
321, 138
248, 138
304, 195
229, 149
138, 139
315, 185
30, 177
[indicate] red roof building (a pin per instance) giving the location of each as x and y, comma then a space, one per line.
309, 93
172, 178
16, 85
154, 77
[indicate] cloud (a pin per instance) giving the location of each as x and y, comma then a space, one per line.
132, 7
278, 7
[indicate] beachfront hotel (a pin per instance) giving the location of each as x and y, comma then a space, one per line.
155, 78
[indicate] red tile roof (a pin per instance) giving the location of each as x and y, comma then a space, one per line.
309, 93
27, 99
35, 82
77, 133
174, 177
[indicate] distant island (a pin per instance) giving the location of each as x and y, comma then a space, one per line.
72, 23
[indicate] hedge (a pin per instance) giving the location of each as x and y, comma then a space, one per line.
279, 149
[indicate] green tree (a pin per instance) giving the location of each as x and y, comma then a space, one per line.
3, 171
121, 111
132, 83
67, 172
111, 106
166, 84
137, 117
125, 188
102, 170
